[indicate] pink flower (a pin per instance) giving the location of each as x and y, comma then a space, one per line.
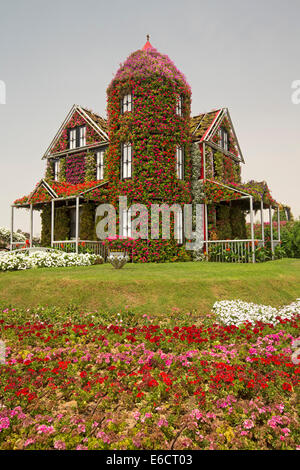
59, 445
162, 422
248, 424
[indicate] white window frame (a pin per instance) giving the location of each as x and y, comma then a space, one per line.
179, 105
56, 170
179, 227
100, 165
223, 138
126, 161
126, 223
126, 103
72, 138
82, 136
179, 163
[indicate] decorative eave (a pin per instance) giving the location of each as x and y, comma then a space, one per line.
211, 130
85, 115
48, 188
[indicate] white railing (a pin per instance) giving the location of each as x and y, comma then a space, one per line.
69, 246
233, 251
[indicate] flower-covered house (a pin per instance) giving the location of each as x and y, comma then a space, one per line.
152, 151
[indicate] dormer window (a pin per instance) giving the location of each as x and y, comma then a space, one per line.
179, 105
179, 163
223, 138
126, 103
77, 137
56, 170
100, 164
126, 164
72, 139
82, 136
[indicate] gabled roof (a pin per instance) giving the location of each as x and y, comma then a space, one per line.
44, 191
204, 127
98, 123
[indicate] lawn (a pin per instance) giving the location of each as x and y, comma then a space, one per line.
158, 289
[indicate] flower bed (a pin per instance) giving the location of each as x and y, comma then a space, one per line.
237, 312
40, 259
86, 381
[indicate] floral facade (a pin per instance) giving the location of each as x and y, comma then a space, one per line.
151, 150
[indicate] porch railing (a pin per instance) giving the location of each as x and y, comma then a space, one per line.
69, 246
234, 251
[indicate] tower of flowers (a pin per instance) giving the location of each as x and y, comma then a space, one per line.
149, 113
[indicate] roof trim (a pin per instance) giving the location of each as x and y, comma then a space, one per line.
46, 186
87, 118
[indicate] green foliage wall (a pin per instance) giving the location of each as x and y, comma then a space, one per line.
46, 225
87, 222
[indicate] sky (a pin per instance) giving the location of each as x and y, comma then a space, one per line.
243, 55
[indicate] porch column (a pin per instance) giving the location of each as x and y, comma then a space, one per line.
262, 222
52, 222
204, 161
252, 229
271, 231
77, 223
31, 225
11, 228
206, 227
278, 223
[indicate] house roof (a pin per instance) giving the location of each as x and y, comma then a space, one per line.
202, 123
98, 123
46, 191
204, 127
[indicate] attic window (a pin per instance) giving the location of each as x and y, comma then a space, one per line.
77, 137
82, 136
72, 139
126, 103
179, 105
223, 138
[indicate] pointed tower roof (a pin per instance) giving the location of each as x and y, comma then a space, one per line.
148, 45
147, 62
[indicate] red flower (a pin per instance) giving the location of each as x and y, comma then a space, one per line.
287, 386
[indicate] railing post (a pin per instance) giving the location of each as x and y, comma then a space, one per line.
77, 223
31, 225
271, 231
52, 222
252, 229
206, 228
11, 228
262, 222
278, 223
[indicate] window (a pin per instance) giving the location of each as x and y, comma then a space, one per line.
100, 164
179, 227
126, 161
223, 138
56, 170
179, 163
179, 105
126, 223
126, 103
77, 137
82, 136
72, 139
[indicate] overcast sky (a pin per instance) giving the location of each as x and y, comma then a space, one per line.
239, 54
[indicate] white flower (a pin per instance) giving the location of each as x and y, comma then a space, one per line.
237, 312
